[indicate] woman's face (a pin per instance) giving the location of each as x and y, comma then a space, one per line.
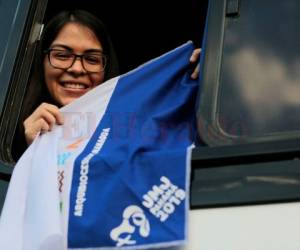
66, 85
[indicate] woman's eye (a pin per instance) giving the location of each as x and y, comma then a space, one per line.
93, 59
62, 55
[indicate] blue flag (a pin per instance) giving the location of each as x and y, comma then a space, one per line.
116, 174
130, 184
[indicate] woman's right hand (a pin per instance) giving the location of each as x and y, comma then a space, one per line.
41, 121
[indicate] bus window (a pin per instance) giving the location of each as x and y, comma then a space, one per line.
251, 73
139, 30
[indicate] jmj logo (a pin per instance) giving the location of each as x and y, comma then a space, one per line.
162, 200
132, 214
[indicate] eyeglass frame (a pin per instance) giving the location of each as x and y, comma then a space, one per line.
81, 56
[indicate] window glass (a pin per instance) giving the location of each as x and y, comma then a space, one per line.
12, 20
254, 94
260, 90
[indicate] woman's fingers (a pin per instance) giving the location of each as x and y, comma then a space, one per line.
49, 112
193, 59
195, 55
196, 72
42, 120
55, 112
42, 126
32, 129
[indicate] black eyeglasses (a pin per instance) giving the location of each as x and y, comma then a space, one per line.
92, 62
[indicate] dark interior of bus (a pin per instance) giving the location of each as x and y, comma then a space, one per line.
143, 30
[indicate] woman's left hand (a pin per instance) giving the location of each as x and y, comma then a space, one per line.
193, 59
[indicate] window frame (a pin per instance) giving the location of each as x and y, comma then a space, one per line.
26, 32
227, 161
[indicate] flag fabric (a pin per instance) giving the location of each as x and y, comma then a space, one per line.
122, 160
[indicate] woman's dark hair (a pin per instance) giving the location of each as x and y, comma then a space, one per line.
37, 91
86, 19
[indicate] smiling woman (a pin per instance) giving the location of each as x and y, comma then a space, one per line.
63, 68
76, 55
140, 30
66, 77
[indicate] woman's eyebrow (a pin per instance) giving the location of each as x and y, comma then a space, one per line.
93, 51
62, 46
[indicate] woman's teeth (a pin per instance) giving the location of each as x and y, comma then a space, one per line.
75, 86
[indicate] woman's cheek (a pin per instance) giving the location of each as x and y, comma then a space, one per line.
97, 79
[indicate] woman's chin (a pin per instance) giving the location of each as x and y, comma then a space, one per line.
69, 97
67, 100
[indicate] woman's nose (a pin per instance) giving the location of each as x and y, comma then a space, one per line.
77, 66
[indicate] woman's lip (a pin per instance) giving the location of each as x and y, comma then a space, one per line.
75, 92
74, 85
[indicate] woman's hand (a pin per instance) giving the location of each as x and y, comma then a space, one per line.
41, 121
193, 59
